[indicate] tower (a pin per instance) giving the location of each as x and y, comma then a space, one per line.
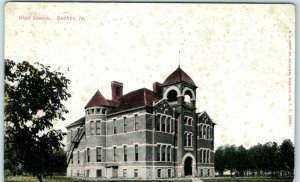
180, 92
95, 112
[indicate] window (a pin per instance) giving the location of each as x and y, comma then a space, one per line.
168, 153
204, 132
114, 156
185, 139
92, 127
201, 128
135, 123
115, 127
168, 125
98, 128
169, 173
71, 172
200, 156
163, 153
136, 153
201, 172
185, 120
99, 173
99, 150
72, 158
92, 111
88, 154
171, 125
158, 173
88, 173
163, 124
125, 153
204, 156
208, 132
172, 96
136, 173
190, 138
158, 152
78, 157
124, 172
208, 154
157, 123
190, 121
98, 111
77, 172
169, 156
187, 98
208, 172
103, 111
124, 125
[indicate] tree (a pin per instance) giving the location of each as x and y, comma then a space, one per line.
219, 160
33, 100
241, 158
269, 151
287, 155
58, 164
230, 158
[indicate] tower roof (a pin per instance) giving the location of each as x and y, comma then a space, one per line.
97, 100
178, 76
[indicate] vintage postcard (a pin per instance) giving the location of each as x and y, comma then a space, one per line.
143, 91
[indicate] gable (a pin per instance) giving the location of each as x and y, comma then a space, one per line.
163, 107
203, 117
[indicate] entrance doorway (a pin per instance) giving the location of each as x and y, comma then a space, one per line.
188, 170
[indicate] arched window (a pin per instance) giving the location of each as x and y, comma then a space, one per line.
204, 132
208, 156
188, 96
172, 96
191, 139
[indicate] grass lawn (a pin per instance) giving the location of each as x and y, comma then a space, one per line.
63, 179
217, 179
249, 179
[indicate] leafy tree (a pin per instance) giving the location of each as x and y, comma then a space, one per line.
256, 157
287, 155
33, 100
230, 158
58, 164
241, 160
269, 151
219, 160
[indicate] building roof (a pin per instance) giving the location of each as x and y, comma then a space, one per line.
78, 122
178, 76
98, 100
138, 98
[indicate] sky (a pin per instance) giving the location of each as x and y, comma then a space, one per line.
239, 56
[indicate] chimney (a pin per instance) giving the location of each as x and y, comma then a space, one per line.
157, 88
116, 90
